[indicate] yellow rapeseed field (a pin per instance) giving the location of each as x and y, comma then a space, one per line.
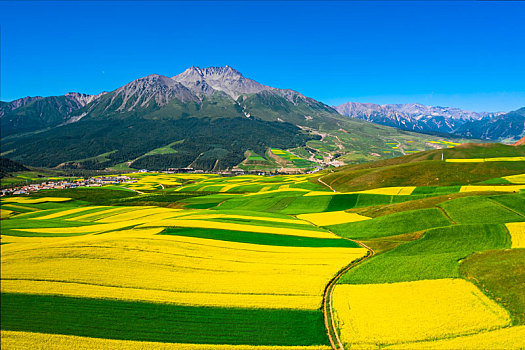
505, 338
174, 269
507, 188
517, 234
67, 212
14, 340
466, 160
29, 200
82, 229
516, 179
332, 218
247, 217
110, 211
141, 213
4, 213
149, 182
39, 242
505, 159
228, 187
321, 193
480, 160
184, 222
405, 190
372, 314
17, 207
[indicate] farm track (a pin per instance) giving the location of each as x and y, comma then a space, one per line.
400, 147
324, 183
328, 314
446, 215
505, 207
329, 319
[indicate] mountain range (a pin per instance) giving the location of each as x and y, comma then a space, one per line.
209, 118
497, 126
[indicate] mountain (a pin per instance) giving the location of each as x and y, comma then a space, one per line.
6, 107
415, 117
36, 113
207, 118
508, 127
226, 79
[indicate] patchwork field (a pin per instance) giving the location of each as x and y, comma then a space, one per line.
201, 261
383, 314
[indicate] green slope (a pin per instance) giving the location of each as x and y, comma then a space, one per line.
427, 168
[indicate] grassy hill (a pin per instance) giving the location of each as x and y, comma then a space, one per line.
427, 168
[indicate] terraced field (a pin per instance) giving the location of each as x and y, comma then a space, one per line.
200, 261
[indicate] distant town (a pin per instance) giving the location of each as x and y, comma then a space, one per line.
122, 179
49, 185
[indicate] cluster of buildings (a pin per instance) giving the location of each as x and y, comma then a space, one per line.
48, 185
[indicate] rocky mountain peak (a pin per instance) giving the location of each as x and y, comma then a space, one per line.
225, 79
82, 99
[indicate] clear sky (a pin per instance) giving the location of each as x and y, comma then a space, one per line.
460, 54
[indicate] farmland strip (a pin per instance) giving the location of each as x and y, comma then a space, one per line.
160, 322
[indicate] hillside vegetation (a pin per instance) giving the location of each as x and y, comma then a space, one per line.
427, 168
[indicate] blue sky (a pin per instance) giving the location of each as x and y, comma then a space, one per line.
461, 54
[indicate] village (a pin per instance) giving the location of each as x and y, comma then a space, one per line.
122, 179
49, 185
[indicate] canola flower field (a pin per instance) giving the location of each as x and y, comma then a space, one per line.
200, 261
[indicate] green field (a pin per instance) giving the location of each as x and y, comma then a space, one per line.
228, 260
472, 210
434, 256
113, 319
393, 224
9, 227
259, 238
292, 159
501, 274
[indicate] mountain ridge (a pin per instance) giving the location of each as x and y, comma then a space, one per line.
204, 117
413, 116
437, 119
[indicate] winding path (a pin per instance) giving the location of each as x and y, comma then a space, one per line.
329, 319
328, 312
324, 183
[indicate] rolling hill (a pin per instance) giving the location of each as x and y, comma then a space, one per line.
465, 164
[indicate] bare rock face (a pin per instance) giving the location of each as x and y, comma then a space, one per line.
82, 99
10, 106
158, 88
226, 79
